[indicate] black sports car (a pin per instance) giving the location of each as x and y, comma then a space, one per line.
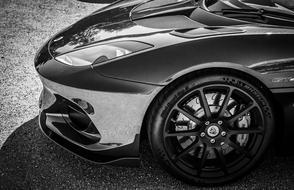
209, 82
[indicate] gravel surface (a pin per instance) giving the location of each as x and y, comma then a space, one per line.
28, 160
24, 27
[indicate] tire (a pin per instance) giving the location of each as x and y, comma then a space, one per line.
211, 140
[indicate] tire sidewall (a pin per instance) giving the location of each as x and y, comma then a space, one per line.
172, 94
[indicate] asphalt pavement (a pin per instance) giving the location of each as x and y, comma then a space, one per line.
29, 160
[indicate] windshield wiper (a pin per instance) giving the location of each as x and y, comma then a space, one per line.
241, 13
259, 15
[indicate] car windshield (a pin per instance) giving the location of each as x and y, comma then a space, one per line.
217, 4
286, 3
273, 12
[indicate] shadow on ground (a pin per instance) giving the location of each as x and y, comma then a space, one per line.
29, 160
98, 1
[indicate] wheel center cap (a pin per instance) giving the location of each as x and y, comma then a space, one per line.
213, 131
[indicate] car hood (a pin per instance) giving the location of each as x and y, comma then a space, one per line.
110, 22
137, 18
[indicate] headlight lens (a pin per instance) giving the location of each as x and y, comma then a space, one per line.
101, 53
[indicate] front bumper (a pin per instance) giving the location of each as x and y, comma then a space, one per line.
108, 134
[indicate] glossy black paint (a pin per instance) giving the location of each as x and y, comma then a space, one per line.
112, 23
243, 50
284, 142
262, 51
79, 77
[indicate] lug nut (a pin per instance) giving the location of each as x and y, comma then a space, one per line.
212, 141
220, 122
222, 143
207, 123
202, 134
223, 133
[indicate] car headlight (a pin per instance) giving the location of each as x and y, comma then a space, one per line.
101, 53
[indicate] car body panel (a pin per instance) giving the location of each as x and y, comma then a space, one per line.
118, 116
78, 77
184, 40
115, 128
245, 49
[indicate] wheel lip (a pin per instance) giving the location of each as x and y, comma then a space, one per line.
203, 86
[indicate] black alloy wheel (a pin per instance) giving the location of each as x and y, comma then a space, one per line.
211, 130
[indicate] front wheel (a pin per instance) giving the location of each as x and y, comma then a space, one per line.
210, 130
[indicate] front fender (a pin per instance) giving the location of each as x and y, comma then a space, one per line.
214, 66
161, 65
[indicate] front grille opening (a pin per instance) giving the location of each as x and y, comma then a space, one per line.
79, 127
80, 121
72, 121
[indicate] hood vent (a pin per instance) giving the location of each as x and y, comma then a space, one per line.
207, 31
163, 8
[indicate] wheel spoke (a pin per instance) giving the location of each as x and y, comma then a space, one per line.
235, 146
186, 150
196, 111
203, 159
184, 139
204, 104
240, 114
181, 133
246, 131
231, 105
188, 115
239, 149
217, 99
222, 159
225, 103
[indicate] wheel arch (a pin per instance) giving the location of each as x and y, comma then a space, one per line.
245, 73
